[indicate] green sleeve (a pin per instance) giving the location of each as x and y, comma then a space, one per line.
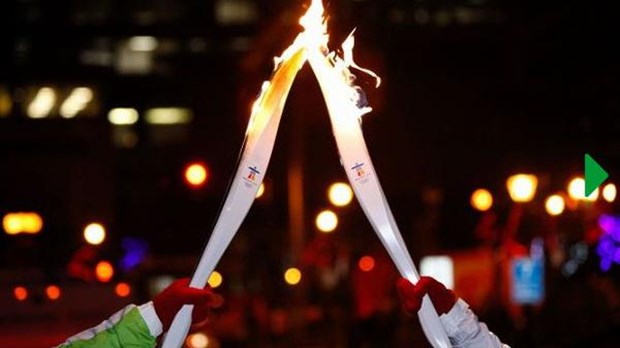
128, 330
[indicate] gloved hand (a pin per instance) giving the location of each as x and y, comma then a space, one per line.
411, 295
171, 299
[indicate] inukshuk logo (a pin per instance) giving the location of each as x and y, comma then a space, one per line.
359, 169
252, 174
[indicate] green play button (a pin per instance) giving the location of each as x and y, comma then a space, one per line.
595, 175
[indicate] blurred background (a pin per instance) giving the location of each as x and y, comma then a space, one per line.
121, 124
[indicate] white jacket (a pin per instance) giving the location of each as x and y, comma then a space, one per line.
465, 331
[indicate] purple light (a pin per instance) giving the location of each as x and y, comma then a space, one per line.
135, 252
609, 243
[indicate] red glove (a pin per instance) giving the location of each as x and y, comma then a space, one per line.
170, 301
411, 295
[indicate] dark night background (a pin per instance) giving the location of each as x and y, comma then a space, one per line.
473, 91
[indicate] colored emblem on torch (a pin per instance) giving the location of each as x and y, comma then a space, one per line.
359, 169
252, 174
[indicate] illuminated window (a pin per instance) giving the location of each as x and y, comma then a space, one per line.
235, 12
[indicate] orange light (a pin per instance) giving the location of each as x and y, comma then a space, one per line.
122, 289
16, 223
481, 200
196, 174
20, 293
366, 263
104, 271
52, 292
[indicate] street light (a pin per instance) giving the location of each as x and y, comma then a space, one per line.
576, 190
481, 200
522, 187
27, 223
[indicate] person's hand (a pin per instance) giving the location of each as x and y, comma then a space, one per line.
170, 301
411, 295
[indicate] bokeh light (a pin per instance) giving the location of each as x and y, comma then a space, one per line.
197, 340
292, 276
28, 223
609, 193
215, 279
196, 174
94, 233
52, 292
104, 271
340, 194
522, 187
42, 103
576, 190
366, 263
20, 293
326, 221
122, 289
481, 200
123, 116
554, 205
261, 190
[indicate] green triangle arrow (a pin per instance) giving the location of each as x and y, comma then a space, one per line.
595, 175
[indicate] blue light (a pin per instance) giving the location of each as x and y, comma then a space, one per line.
135, 252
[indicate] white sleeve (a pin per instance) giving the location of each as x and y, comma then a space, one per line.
465, 331
151, 319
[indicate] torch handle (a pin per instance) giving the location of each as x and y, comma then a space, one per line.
179, 328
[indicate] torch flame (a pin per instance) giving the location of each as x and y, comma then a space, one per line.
314, 41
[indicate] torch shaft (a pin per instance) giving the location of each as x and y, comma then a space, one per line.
344, 116
251, 170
